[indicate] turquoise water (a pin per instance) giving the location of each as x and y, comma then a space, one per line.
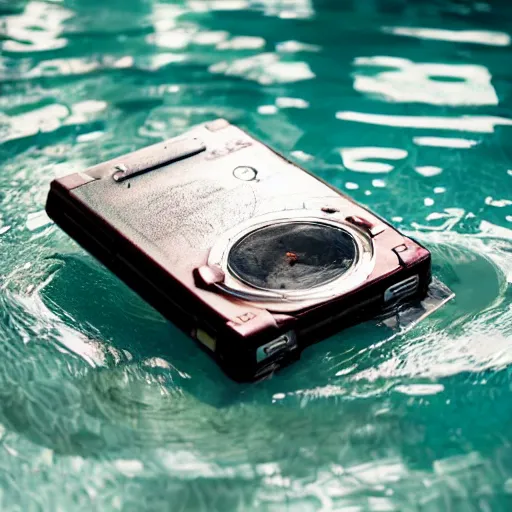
407, 106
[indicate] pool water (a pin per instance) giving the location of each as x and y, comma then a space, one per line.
406, 106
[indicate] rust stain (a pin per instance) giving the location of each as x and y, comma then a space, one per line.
292, 258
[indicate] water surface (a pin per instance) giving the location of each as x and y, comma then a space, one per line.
407, 106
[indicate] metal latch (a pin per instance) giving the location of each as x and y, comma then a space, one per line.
284, 343
403, 289
373, 229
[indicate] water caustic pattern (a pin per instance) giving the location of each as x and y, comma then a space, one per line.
408, 107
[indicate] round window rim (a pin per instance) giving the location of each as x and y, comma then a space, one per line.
354, 276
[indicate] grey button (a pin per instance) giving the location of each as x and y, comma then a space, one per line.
245, 173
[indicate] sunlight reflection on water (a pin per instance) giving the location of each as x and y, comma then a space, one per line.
405, 105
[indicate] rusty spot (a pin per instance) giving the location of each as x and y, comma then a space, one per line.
329, 209
292, 258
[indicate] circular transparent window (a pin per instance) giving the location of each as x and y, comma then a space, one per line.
292, 255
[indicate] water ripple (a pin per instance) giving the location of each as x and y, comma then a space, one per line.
405, 81
407, 106
486, 37
37, 29
475, 124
